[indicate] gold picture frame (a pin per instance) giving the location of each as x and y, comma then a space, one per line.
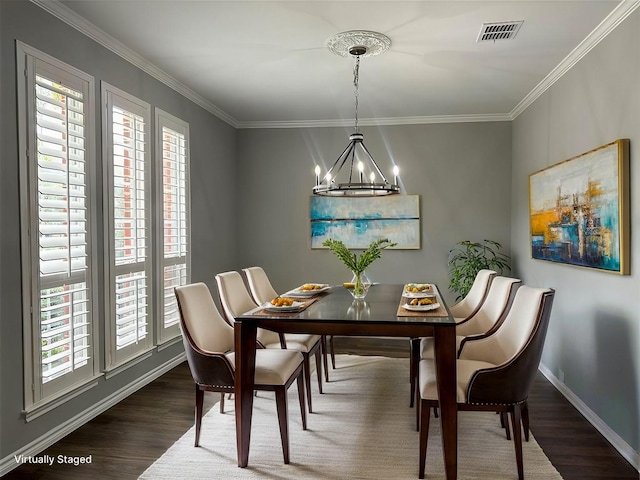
579, 210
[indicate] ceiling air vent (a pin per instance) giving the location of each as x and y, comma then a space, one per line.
499, 31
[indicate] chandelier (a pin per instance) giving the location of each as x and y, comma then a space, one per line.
369, 179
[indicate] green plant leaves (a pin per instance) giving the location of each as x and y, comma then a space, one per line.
467, 258
351, 260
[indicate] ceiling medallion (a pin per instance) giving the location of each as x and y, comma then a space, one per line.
374, 43
369, 179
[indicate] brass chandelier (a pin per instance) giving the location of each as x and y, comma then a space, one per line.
357, 43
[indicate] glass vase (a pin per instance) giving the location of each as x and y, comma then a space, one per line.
361, 284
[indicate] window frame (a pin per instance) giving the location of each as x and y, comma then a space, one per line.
165, 119
116, 358
38, 396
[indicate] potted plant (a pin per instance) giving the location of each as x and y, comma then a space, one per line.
358, 264
467, 258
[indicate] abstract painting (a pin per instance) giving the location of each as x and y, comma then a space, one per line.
579, 210
358, 221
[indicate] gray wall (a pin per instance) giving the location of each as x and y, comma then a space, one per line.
594, 334
213, 144
462, 172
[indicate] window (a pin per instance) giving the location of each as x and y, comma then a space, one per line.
58, 213
128, 196
172, 173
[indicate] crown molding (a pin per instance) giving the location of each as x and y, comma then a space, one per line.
368, 122
60, 11
622, 11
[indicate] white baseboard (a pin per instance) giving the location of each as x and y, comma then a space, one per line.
38, 445
632, 456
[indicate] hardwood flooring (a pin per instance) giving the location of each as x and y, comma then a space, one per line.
127, 438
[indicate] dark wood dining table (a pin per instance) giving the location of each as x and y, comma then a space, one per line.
337, 313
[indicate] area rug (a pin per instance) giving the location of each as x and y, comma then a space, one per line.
361, 428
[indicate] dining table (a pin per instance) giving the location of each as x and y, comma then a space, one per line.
335, 312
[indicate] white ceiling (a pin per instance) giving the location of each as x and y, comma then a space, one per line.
263, 63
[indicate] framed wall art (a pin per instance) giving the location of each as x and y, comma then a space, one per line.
579, 210
357, 221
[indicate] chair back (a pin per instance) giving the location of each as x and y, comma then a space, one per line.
473, 300
261, 289
493, 310
234, 297
206, 336
515, 348
236, 300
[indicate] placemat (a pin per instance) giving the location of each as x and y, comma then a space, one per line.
269, 313
438, 312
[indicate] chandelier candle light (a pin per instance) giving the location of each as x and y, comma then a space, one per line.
357, 43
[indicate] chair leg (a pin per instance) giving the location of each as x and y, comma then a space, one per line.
325, 362
414, 360
333, 352
525, 420
517, 438
199, 405
319, 368
504, 419
303, 408
222, 402
425, 410
307, 379
283, 421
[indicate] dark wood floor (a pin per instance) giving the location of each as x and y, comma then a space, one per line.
130, 436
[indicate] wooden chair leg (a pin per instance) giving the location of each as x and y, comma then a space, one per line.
333, 352
222, 402
307, 379
517, 438
504, 419
303, 408
199, 405
525, 420
283, 420
425, 410
414, 360
319, 368
325, 362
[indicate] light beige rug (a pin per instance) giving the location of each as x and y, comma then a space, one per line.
361, 428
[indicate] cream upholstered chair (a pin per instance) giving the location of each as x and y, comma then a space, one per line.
484, 321
209, 342
262, 291
495, 373
461, 311
236, 300
473, 300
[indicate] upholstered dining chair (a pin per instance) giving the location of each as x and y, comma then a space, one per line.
209, 342
461, 311
473, 300
236, 300
262, 291
495, 373
483, 321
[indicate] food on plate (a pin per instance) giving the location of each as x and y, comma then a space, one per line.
311, 286
418, 287
282, 302
423, 301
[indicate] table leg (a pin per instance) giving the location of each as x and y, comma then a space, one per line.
245, 348
445, 355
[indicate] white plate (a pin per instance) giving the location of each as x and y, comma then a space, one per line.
420, 308
295, 306
298, 292
424, 294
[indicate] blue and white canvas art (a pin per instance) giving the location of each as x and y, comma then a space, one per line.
358, 221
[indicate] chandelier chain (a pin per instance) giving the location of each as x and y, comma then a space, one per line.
356, 81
